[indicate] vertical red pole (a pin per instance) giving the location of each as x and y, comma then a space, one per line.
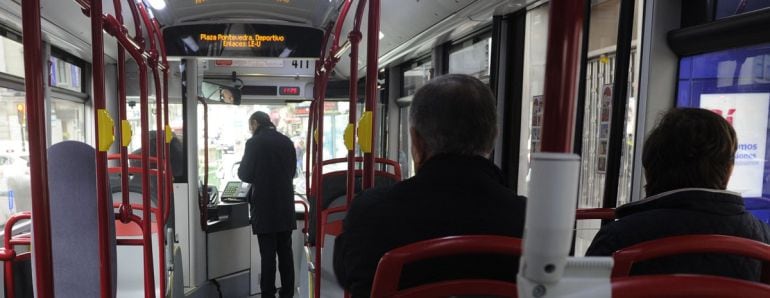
33, 78
318, 175
10, 291
149, 280
562, 61
372, 44
168, 170
104, 204
125, 209
354, 37
160, 151
311, 145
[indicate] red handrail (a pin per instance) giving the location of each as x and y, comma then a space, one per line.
388, 274
156, 65
595, 213
33, 78
686, 286
169, 170
8, 253
677, 245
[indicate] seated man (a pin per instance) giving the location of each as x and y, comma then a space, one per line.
457, 191
688, 159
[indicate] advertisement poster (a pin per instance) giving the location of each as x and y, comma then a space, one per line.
747, 112
604, 129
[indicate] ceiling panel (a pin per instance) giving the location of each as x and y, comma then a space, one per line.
307, 12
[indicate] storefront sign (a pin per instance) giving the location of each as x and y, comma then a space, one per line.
747, 112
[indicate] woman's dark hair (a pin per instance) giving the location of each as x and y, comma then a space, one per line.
689, 148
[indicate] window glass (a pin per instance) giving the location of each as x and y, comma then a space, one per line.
472, 59
11, 56
65, 75
14, 154
726, 8
602, 37
67, 121
404, 144
229, 131
417, 76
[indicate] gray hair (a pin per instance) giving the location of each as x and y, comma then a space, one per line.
455, 114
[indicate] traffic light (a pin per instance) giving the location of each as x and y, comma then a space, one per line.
20, 113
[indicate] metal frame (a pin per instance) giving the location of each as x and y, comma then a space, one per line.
506, 78
619, 103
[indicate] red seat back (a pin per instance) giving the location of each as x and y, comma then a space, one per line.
595, 213
688, 244
388, 275
686, 286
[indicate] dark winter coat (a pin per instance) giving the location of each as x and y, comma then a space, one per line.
450, 195
683, 212
269, 164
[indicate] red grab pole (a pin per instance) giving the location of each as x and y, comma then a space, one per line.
33, 78
372, 44
104, 207
160, 149
354, 37
562, 62
125, 208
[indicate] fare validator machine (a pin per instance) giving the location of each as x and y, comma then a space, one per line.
236, 192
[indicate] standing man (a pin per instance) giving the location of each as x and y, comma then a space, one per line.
269, 164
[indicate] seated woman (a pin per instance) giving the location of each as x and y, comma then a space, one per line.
688, 159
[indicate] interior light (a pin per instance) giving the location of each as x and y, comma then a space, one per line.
157, 4
381, 35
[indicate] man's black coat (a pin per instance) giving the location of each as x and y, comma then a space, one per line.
450, 195
269, 164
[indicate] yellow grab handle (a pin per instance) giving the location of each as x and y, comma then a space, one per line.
365, 132
106, 130
169, 134
126, 133
349, 137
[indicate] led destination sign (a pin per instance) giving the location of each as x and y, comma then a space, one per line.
243, 40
